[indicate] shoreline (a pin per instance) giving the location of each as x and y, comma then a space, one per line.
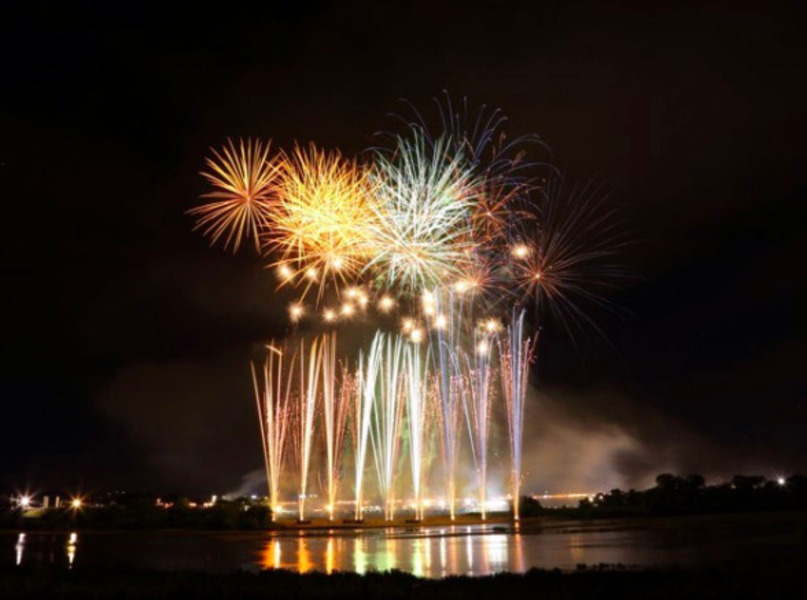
501, 523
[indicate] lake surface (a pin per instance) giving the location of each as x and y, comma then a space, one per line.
427, 552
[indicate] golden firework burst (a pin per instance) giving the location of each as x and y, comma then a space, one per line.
244, 178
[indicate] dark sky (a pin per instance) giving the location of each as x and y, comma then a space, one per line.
126, 338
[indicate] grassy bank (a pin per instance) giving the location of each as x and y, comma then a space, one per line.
766, 580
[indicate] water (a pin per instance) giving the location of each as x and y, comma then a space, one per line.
427, 552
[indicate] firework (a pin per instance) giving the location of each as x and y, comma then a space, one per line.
387, 411
477, 403
306, 406
505, 176
515, 356
321, 221
421, 231
448, 384
244, 178
367, 376
416, 404
446, 232
335, 408
569, 258
273, 415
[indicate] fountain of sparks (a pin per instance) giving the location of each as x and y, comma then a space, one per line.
515, 355
365, 397
273, 415
416, 390
447, 329
309, 375
477, 403
336, 403
386, 417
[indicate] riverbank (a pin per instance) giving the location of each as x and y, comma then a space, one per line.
497, 522
504, 520
769, 579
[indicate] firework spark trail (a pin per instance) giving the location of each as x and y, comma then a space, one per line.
416, 405
329, 409
387, 411
273, 412
515, 356
306, 409
477, 403
245, 181
335, 408
348, 397
367, 376
422, 229
447, 330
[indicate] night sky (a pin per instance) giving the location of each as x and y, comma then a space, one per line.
126, 338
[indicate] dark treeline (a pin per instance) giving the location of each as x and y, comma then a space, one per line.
142, 513
674, 495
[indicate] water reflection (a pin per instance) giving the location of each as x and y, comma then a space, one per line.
495, 549
20, 547
388, 558
576, 548
40, 549
518, 554
427, 552
453, 551
270, 556
359, 556
71, 549
418, 557
330, 556
304, 563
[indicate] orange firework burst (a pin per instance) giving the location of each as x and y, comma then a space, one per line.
244, 178
477, 277
568, 261
493, 209
320, 222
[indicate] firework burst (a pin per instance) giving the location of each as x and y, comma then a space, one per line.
321, 221
568, 259
244, 178
422, 233
505, 176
